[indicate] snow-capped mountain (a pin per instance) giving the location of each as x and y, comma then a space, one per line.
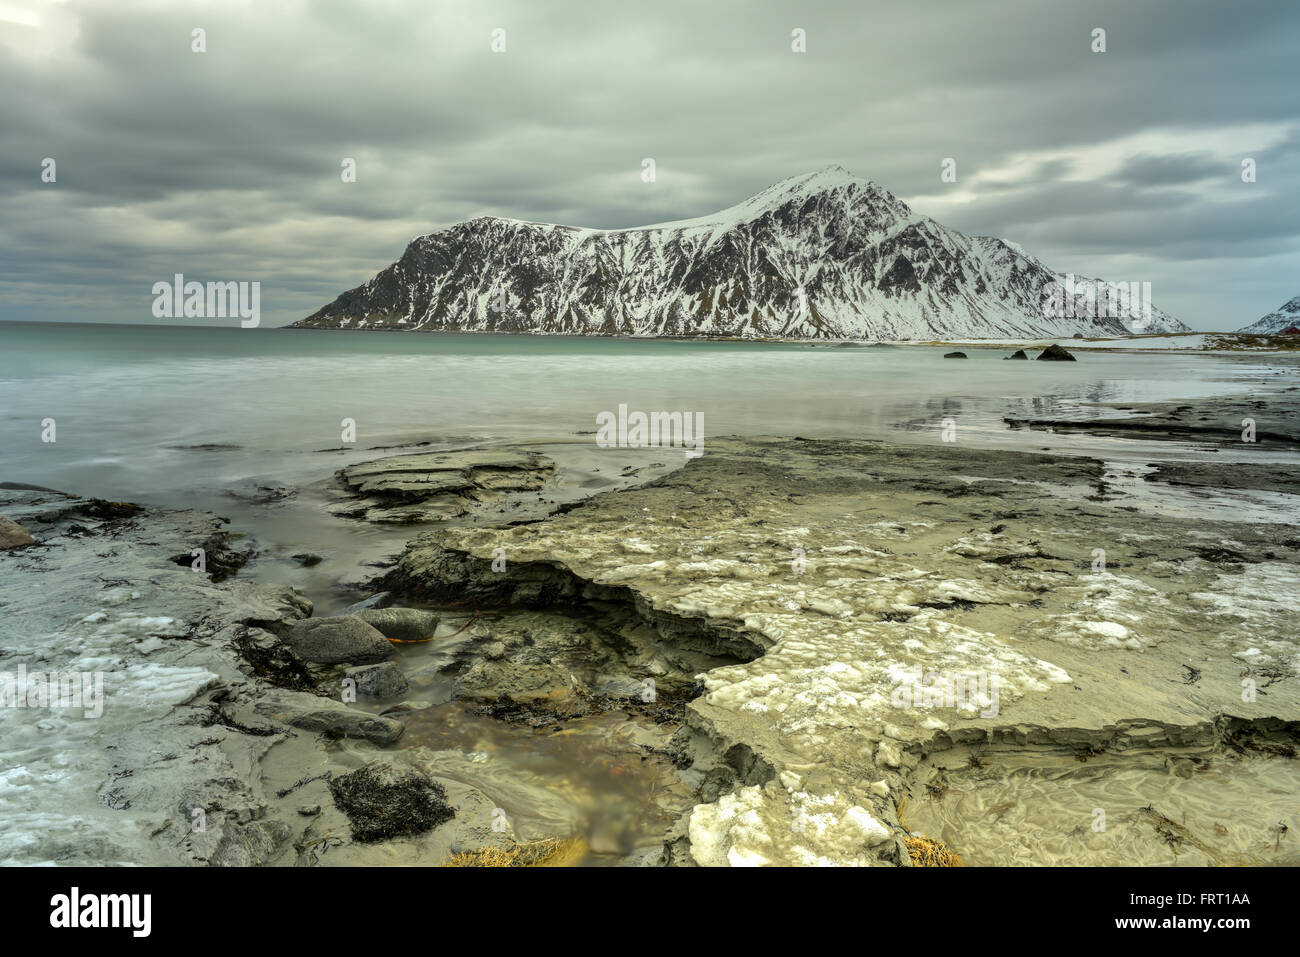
823, 255
1276, 321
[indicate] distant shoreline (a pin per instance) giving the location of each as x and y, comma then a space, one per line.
1196, 341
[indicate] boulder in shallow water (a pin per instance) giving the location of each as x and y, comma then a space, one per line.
346, 723
13, 535
333, 641
954, 355
1018, 354
403, 624
384, 680
1055, 353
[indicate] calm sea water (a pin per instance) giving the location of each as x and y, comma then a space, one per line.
126, 399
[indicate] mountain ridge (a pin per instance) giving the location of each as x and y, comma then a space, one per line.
822, 255
1285, 316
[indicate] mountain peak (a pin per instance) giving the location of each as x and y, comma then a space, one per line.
1281, 318
819, 181
820, 255
829, 179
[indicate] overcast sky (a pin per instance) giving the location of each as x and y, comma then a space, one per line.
225, 165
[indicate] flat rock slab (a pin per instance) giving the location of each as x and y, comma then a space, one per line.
432, 486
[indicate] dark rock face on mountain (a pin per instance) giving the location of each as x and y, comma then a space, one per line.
1276, 321
821, 256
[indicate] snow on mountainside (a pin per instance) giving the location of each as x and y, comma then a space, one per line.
825, 255
1284, 318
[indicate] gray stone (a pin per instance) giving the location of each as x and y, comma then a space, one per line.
434, 486
13, 535
404, 624
377, 600
619, 686
385, 680
250, 845
346, 723
342, 640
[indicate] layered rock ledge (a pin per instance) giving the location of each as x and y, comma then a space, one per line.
843, 576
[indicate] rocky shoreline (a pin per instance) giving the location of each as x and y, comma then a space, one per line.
831, 571
744, 642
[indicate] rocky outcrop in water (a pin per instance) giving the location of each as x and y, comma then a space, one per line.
1054, 353
331, 641
432, 486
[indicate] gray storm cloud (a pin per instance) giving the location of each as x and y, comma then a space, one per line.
225, 164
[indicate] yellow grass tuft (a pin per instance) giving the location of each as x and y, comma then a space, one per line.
924, 851
545, 853
927, 852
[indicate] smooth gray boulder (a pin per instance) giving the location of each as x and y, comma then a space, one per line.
332, 641
345, 723
404, 624
13, 535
